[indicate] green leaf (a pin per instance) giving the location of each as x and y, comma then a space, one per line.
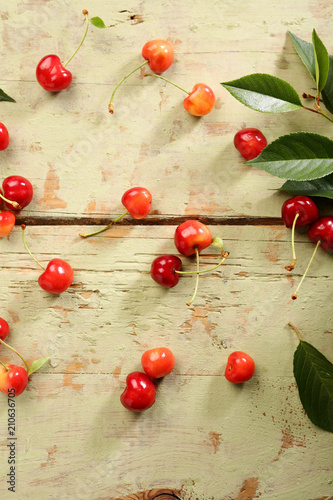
5, 97
320, 187
264, 93
37, 364
321, 61
98, 22
300, 156
314, 377
306, 53
327, 93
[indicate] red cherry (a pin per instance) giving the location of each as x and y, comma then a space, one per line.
137, 201
201, 100
18, 189
51, 74
4, 329
240, 367
7, 222
57, 277
190, 235
250, 142
13, 379
159, 54
303, 206
322, 230
163, 270
4, 137
140, 392
158, 362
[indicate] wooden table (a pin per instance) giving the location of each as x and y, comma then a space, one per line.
204, 438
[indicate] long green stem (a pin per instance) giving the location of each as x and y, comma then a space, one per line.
14, 203
293, 262
27, 248
295, 330
166, 80
85, 12
294, 295
224, 256
14, 350
121, 81
197, 278
104, 228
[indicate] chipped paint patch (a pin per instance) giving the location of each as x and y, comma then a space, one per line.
249, 489
49, 199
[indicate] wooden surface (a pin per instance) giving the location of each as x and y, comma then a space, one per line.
204, 438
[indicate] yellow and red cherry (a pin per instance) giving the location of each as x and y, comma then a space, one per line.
13, 379
192, 235
158, 362
200, 101
7, 222
240, 367
250, 142
4, 137
4, 329
163, 270
17, 192
140, 392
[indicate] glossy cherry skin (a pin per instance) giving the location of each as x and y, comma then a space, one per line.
302, 205
7, 222
4, 329
240, 367
57, 277
19, 189
160, 55
322, 230
192, 234
14, 380
140, 392
163, 270
201, 100
137, 201
51, 74
250, 142
4, 137
158, 362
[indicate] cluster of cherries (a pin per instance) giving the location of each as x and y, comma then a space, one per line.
14, 378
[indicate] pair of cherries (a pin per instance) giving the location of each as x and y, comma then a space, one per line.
140, 391
14, 378
191, 237
301, 211
17, 193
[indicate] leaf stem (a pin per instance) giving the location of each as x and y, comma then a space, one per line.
14, 350
14, 203
121, 81
197, 278
294, 295
293, 262
104, 228
166, 80
27, 248
319, 112
224, 256
295, 330
85, 12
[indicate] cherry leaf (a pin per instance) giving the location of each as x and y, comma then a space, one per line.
306, 53
265, 93
321, 61
314, 377
5, 97
299, 156
319, 187
327, 92
37, 364
98, 22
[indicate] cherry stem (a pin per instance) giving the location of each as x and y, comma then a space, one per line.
14, 203
295, 330
197, 278
224, 256
319, 111
121, 81
166, 80
27, 249
294, 295
85, 12
293, 262
14, 350
104, 228
6, 367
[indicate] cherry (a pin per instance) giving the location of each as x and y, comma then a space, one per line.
192, 235
4, 329
13, 379
4, 137
158, 362
137, 201
158, 54
320, 232
18, 192
140, 392
163, 270
57, 276
296, 212
240, 367
7, 222
250, 142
